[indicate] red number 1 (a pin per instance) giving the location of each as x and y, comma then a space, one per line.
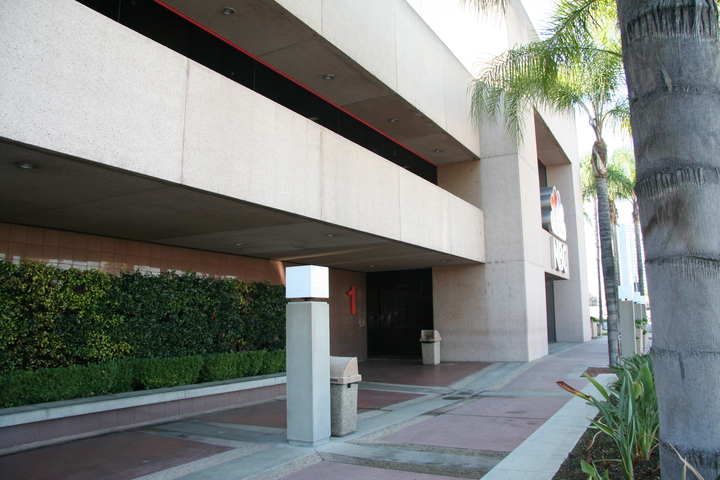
352, 292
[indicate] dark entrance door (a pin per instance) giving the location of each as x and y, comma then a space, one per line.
550, 309
399, 305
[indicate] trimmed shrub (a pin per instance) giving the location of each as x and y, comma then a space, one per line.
226, 366
275, 362
170, 315
264, 316
50, 317
52, 384
166, 372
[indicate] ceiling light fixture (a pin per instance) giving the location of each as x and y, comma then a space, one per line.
394, 120
228, 11
331, 235
26, 166
328, 76
438, 150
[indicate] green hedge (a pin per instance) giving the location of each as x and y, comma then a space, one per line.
21, 387
50, 317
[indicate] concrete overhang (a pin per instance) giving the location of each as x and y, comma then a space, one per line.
272, 33
67, 193
549, 150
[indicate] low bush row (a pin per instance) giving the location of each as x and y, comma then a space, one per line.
23, 387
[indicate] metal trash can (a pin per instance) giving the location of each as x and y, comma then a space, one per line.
430, 340
344, 380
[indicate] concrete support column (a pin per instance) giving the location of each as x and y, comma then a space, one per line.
308, 373
496, 311
572, 310
626, 313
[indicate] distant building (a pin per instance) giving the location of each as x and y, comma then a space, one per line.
627, 257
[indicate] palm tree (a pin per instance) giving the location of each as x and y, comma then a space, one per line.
620, 184
671, 55
589, 194
545, 73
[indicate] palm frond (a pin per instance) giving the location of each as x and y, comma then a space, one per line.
487, 6
579, 65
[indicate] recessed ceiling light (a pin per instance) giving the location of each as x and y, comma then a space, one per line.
238, 244
372, 266
394, 120
331, 235
228, 11
438, 150
26, 166
445, 261
328, 76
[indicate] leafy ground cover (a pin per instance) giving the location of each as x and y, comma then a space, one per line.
598, 448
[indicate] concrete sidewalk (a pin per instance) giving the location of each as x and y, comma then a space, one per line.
496, 421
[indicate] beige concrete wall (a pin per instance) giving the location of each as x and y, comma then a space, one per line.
503, 307
82, 85
497, 311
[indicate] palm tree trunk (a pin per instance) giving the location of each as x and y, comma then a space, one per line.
638, 248
599, 159
672, 62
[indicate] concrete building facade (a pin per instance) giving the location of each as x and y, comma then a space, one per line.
237, 137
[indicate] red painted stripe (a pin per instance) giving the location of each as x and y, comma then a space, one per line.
160, 2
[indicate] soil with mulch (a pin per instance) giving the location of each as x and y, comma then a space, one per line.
595, 371
601, 449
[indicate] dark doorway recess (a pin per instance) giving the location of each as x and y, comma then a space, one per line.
550, 309
399, 305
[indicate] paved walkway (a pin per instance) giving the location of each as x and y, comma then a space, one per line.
501, 421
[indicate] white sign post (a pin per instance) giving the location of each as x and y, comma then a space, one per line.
308, 356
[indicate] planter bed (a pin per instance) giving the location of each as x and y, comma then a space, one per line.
33, 426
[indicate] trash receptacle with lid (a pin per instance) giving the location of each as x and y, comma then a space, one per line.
344, 378
430, 340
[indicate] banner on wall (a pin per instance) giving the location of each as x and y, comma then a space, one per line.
553, 213
553, 220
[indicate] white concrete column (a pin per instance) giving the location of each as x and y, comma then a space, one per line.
627, 327
308, 373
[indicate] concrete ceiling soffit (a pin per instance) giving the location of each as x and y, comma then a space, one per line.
71, 194
549, 150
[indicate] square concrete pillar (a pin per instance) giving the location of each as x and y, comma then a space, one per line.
308, 373
626, 314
